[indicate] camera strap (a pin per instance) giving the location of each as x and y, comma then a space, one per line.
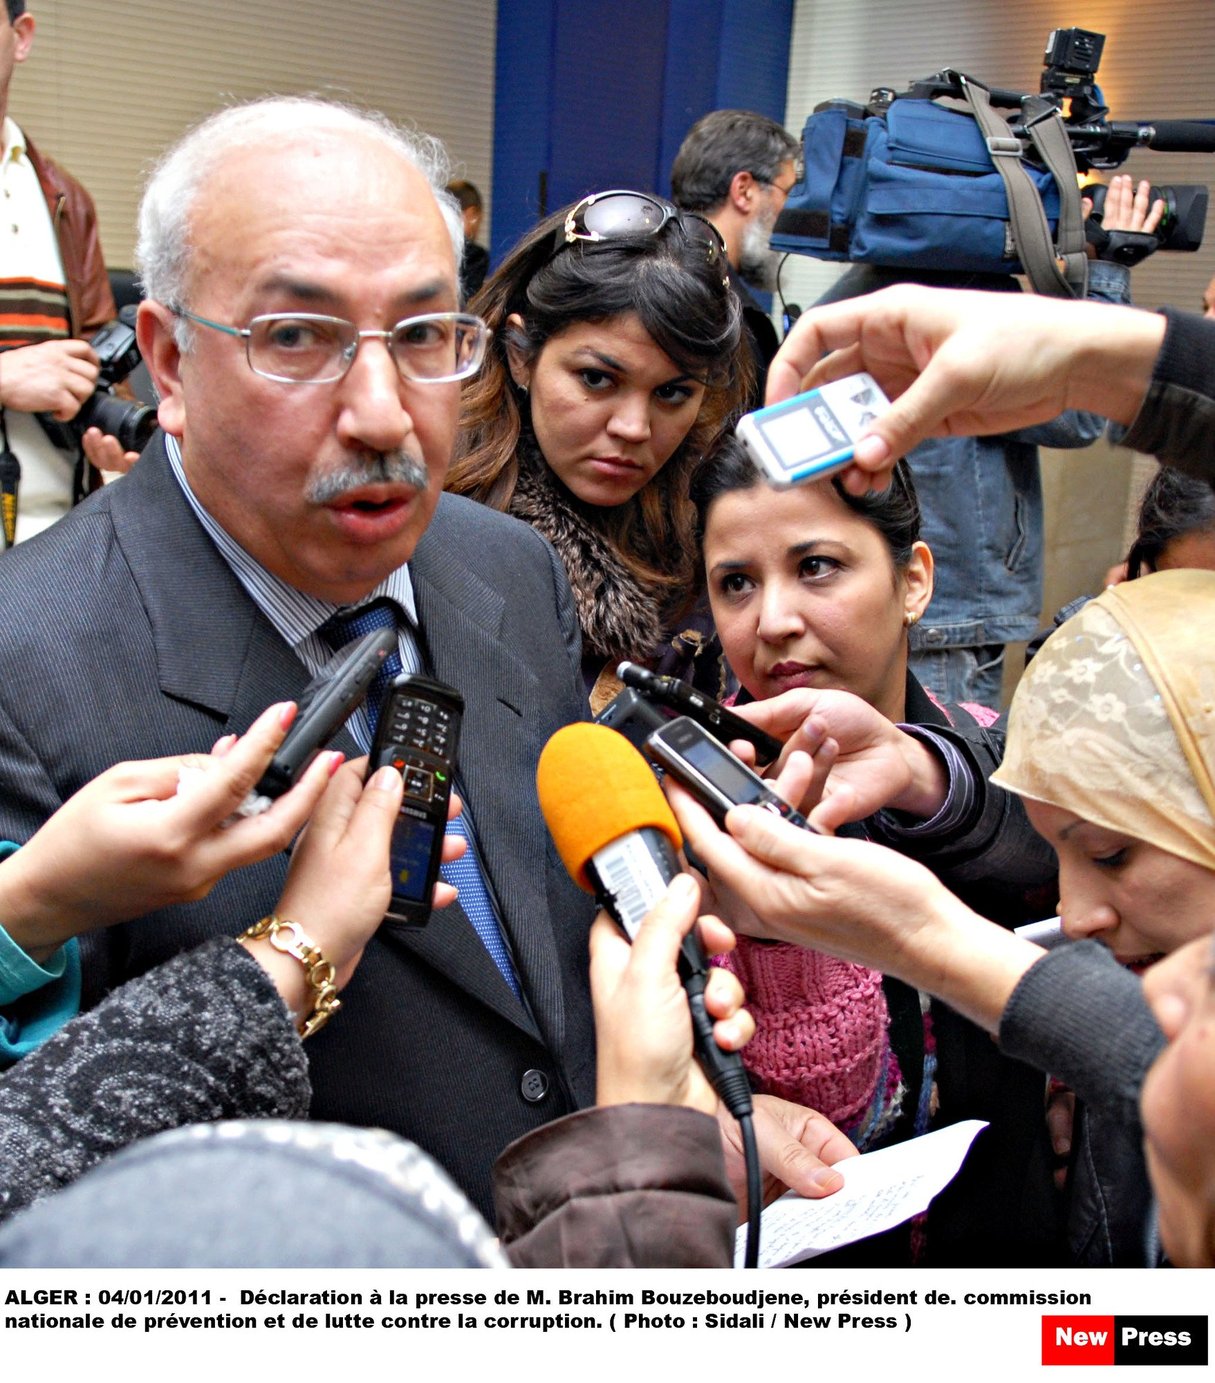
80, 474
1057, 270
10, 480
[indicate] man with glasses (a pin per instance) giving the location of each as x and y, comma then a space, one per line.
735, 167
302, 329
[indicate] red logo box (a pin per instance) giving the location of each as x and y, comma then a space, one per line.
1078, 1339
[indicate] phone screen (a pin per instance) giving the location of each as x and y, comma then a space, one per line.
409, 857
796, 437
720, 768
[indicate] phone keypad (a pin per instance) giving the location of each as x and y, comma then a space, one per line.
418, 729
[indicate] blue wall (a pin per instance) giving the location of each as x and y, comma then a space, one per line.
596, 95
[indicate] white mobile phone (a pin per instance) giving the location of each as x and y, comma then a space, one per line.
812, 435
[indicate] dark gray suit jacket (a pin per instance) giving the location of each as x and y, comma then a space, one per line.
125, 635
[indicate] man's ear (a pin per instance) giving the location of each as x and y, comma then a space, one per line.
23, 30
162, 355
743, 191
518, 360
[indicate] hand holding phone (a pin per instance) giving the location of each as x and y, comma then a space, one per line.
711, 774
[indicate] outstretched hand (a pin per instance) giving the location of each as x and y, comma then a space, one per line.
862, 761
858, 901
151, 833
966, 363
338, 886
798, 1149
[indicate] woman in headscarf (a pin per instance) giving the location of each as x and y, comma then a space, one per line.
1112, 745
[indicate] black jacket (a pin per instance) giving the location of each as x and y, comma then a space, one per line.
1002, 1208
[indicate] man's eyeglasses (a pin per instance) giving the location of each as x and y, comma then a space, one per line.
304, 348
621, 215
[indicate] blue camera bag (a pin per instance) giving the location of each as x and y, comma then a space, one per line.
916, 187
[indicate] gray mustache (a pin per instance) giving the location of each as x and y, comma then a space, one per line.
375, 468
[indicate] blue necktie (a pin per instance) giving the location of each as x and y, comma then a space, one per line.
463, 874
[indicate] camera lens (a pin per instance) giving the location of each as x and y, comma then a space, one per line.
131, 423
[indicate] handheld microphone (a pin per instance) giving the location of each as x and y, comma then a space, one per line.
617, 837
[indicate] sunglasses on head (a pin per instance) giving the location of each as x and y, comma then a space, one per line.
621, 215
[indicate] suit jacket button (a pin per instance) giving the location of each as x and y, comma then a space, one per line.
534, 1086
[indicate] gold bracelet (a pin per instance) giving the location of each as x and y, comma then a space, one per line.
290, 938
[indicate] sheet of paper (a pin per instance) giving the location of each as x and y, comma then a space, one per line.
1048, 933
881, 1189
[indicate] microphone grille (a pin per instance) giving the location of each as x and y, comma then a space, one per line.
594, 787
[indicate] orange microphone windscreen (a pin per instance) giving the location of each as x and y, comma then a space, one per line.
595, 787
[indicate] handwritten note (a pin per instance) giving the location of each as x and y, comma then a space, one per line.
881, 1190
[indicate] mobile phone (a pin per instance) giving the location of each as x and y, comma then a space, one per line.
327, 701
418, 733
714, 777
683, 699
812, 435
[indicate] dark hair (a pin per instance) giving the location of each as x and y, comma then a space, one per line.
723, 143
16, 8
677, 292
465, 193
894, 512
1173, 505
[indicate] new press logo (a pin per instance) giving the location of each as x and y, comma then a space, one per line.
1124, 1340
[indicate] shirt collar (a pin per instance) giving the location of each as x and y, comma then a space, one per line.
12, 141
295, 614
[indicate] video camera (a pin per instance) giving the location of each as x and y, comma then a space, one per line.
130, 422
1069, 74
906, 180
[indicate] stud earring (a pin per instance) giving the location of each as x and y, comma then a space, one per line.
909, 618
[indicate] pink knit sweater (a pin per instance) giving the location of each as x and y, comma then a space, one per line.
821, 1034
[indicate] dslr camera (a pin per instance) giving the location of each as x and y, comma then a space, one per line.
131, 422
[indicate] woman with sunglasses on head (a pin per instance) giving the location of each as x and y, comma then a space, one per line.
813, 592
616, 364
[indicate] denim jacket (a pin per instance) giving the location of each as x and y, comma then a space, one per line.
982, 503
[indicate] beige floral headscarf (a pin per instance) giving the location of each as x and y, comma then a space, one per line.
1114, 719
